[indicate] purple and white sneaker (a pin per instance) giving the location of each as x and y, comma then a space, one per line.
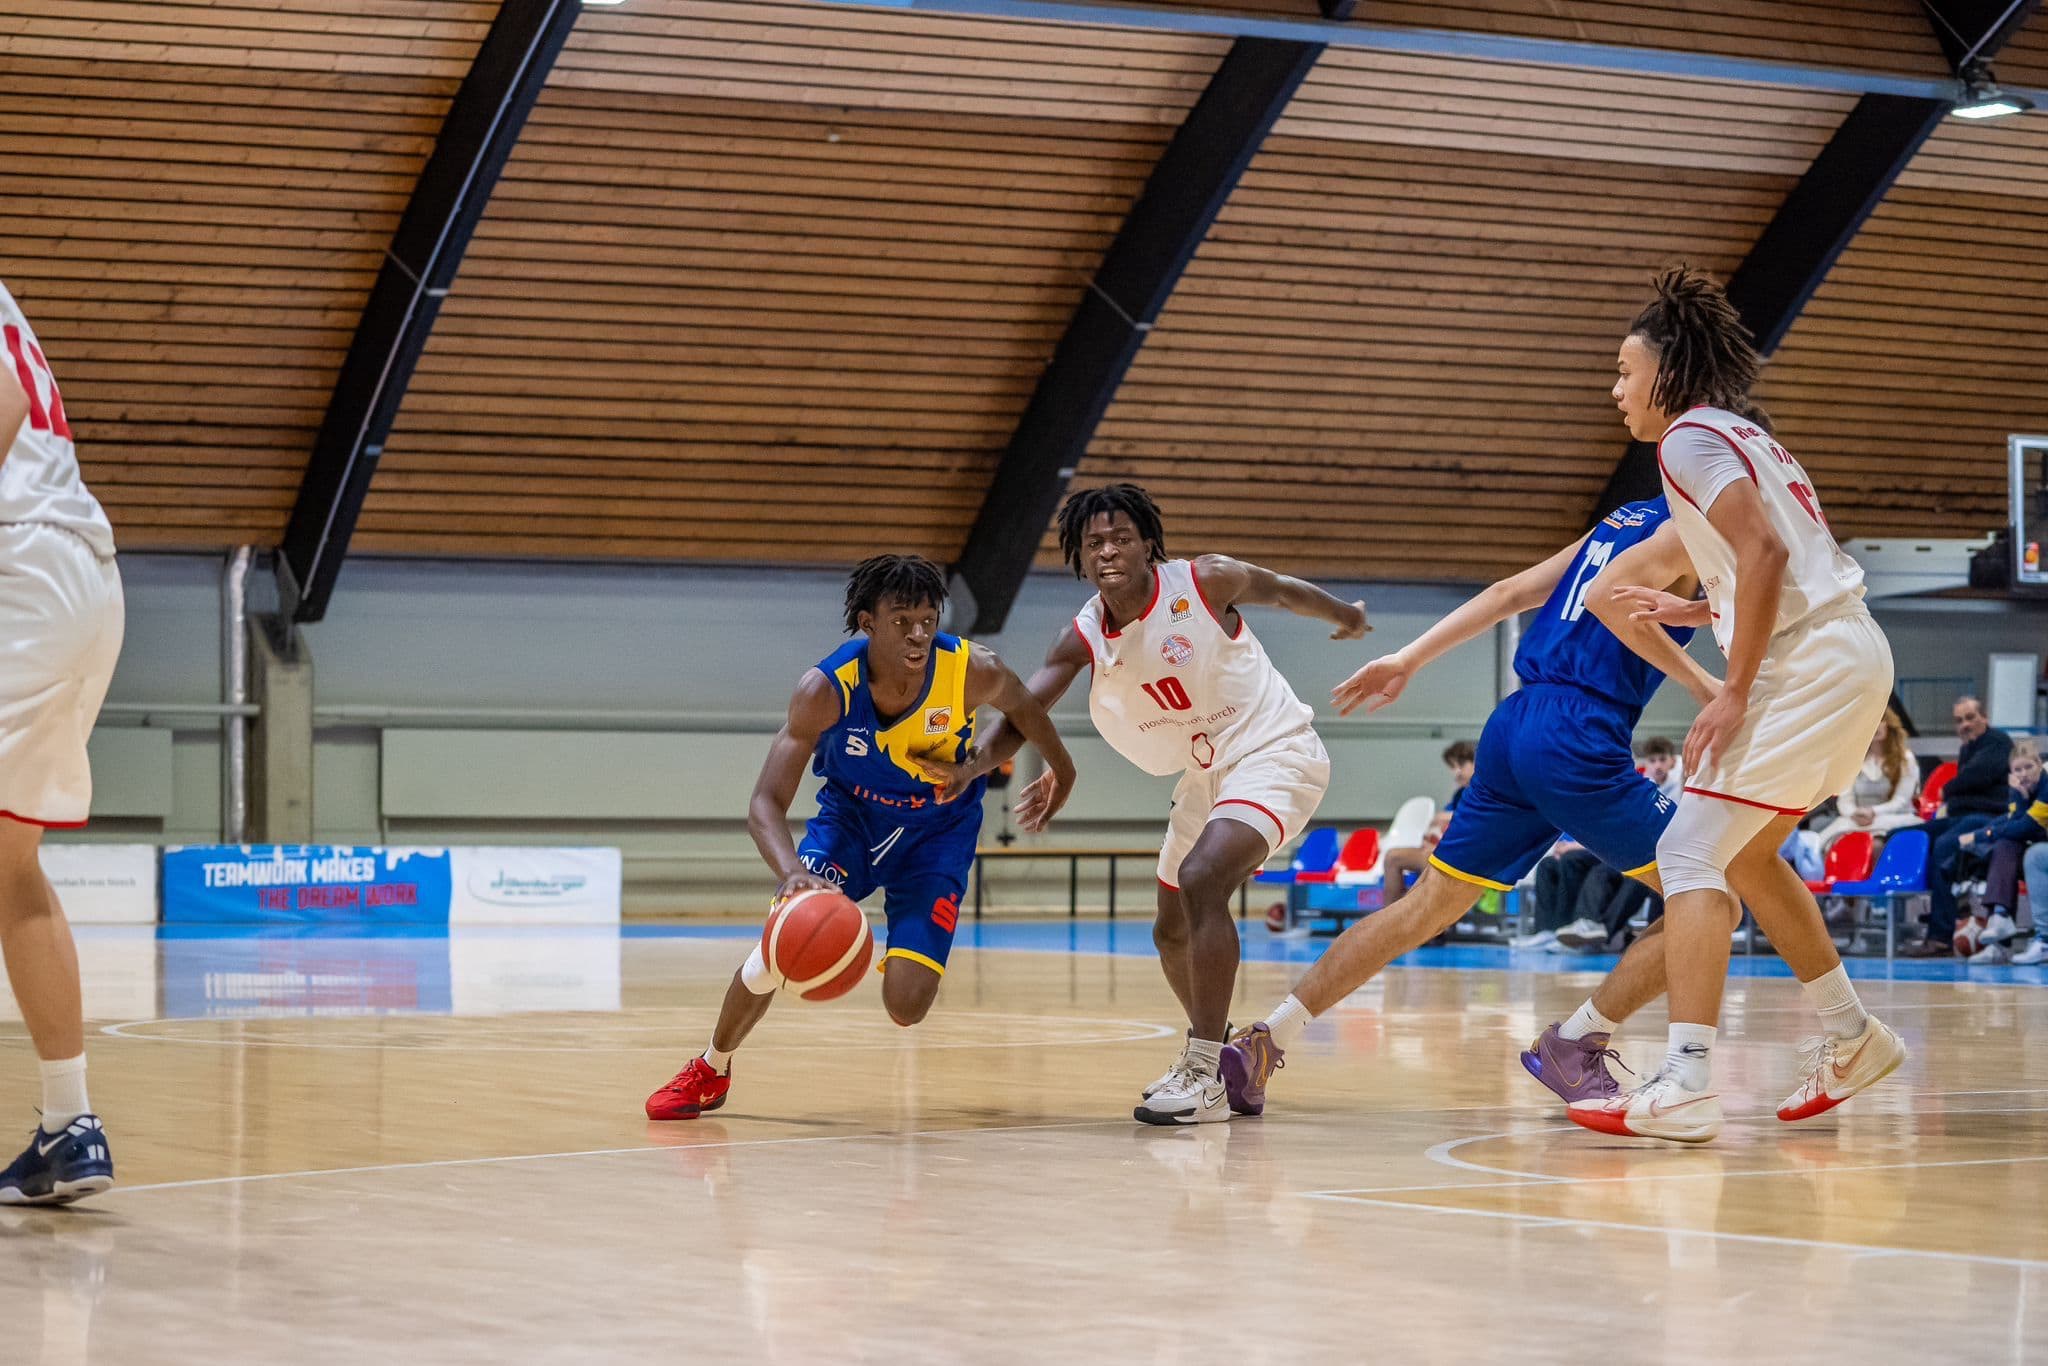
1576, 1069
1249, 1060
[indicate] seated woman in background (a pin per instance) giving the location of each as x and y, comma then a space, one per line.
1881, 799
2004, 845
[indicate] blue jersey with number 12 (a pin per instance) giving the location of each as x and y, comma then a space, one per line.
1568, 645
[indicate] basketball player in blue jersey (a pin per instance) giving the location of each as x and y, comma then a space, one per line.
900, 691
1554, 757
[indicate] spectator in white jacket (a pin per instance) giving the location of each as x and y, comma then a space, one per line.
1881, 799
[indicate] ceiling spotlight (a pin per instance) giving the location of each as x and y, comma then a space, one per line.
1982, 99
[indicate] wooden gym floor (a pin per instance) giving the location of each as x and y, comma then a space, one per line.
425, 1150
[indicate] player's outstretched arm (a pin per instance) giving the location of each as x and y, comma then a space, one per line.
1657, 563
1381, 681
1226, 583
990, 681
813, 709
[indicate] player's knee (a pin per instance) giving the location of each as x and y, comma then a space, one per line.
908, 995
1691, 861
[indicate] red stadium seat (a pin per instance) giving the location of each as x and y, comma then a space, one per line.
1850, 859
1361, 852
1929, 799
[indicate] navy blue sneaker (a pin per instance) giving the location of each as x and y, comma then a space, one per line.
56, 1169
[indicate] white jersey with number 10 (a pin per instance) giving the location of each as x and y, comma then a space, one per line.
1174, 691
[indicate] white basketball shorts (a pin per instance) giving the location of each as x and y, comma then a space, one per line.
1275, 790
61, 620
1815, 704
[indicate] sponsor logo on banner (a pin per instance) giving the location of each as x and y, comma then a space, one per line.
305, 884
540, 886
103, 884
1177, 650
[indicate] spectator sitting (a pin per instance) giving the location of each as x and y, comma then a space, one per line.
1559, 878
1881, 800
1973, 799
2035, 864
1661, 765
2005, 845
1458, 757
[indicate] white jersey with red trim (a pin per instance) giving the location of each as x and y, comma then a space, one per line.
39, 480
1705, 451
1175, 692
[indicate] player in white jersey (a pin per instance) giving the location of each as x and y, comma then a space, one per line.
1809, 674
61, 619
1180, 685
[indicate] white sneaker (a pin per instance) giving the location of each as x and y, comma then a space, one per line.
1166, 1078
1189, 1097
1659, 1108
1542, 939
1837, 1069
1990, 953
1999, 929
1583, 934
2033, 955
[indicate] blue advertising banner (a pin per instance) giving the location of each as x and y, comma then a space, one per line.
301, 884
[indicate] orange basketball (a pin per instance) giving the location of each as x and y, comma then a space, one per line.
818, 943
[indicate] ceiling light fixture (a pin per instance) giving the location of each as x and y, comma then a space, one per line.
1982, 99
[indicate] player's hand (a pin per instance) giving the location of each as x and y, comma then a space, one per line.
1862, 817
1712, 729
951, 779
1655, 605
1354, 626
1965, 841
1373, 686
802, 880
1040, 801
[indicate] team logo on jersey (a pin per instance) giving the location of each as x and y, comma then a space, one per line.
1177, 650
1182, 610
856, 746
938, 721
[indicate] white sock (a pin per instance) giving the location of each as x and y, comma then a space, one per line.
1690, 1056
1586, 1020
1287, 1021
1841, 1014
64, 1093
721, 1062
1205, 1056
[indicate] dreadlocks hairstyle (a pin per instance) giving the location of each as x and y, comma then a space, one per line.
1085, 506
909, 579
1704, 353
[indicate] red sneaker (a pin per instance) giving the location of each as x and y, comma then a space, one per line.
694, 1090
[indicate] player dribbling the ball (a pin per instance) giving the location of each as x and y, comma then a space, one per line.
899, 692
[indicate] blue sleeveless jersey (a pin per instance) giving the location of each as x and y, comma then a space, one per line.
1568, 645
867, 757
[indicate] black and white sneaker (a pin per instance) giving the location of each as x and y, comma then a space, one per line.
56, 1169
1188, 1097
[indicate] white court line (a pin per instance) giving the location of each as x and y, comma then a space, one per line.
1537, 1179
1660, 1231
559, 1022
603, 1152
